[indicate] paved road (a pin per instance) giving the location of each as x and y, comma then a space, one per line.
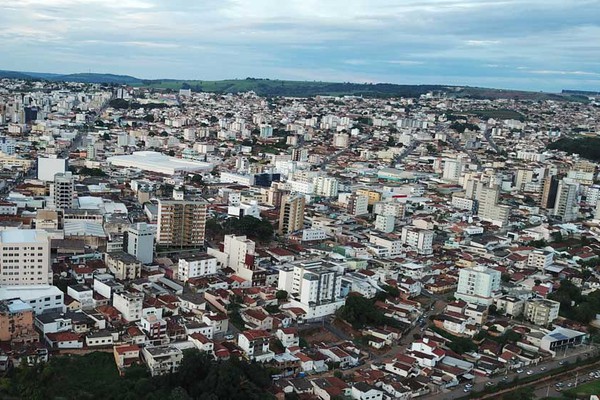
480, 382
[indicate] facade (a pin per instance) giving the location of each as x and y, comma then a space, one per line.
540, 259
326, 186
291, 215
48, 167
565, 207
541, 311
162, 359
140, 242
385, 223
129, 305
42, 298
358, 204
64, 191
123, 265
16, 322
488, 207
193, 266
25, 257
181, 223
418, 239
255, 345
237, 249
478, 285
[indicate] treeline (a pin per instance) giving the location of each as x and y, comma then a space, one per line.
254, 228
124, 104
587, 147
94, 376
574, 305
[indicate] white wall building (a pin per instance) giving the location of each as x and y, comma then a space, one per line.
478, 285
140, 242
25, 257
196, 265
129, 305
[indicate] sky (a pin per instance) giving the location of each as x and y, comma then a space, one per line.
546, 45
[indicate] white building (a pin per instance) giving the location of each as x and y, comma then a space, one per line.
255, 345
129, 305
452, 170
63, 191
385, 223
419, 239
48, 167
162, 359
392, 243
196, 265
237, 248
157, 162
478, 285
25, 257
314, 286
565, 207
326, 186
140, 242
42, 298
540, 259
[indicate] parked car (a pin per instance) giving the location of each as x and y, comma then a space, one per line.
519, 371
229, 337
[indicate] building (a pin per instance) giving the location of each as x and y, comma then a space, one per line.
315, 286
237, 249
152, 161
123, 265
541, 311
565, 207
358, 204
418, 239
549, 191
139, 242
540, 259
63, 191
255, 345
452, 170
291, 215
129, 305
341, 140
48, 167
326, 186
478, 285
16, 322
7, 145
181, 222
266, 131
196, 265
488, 208
162, 359
42, 298
25, 257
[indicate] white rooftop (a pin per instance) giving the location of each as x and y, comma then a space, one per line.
23, 236
158, 162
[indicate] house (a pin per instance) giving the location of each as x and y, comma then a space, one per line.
162, 359
255, 345
100, 339
202, 343
218, 321
363, 391
257, 318
64, 340
337, 355
330, 388
125, 356
288, 336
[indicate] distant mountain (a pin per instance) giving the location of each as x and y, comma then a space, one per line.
275, 87
83, 77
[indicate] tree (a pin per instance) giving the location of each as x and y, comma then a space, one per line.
281, 295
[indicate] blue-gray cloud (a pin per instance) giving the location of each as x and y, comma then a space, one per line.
530, 44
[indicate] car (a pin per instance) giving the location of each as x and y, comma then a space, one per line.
529, 372
519, 371
229, 337
505, 378
466, 390
488, 384
469, 386
562, 362
570, 384
543, 369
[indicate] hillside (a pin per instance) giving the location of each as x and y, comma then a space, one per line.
275, 87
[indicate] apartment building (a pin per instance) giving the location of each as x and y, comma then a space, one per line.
418, 239
139, 242
196, 265
291, 215
478, 285
181, 221
123, 265
25, 257
541, 311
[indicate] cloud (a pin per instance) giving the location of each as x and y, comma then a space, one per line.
448, 41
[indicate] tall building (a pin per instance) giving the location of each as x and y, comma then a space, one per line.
63, 191
522, 177
478, 285
358, 204
565, 207
418, 239
291, 215
7, 145
315, 286
238, 248
16, 322
25, 257
266, 131
139, 242
326, 186
452, 170
181, 221
549, 192
541, 311
488, 207
196, 265
48, 167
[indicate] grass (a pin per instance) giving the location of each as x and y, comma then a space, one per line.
501, 113
585, 389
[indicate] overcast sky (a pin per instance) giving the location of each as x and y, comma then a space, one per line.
527, 44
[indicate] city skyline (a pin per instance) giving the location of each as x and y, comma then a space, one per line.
530, 45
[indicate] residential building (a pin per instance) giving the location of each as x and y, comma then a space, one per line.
16, 322
418, 239
540, 259
291, 216
63, 191
181, 222
565, 208
123, 265
358, 204
129, 305
139, 242
25, 257
541, 311
255, 345
162, 360
196, 265
385, 223
478, 285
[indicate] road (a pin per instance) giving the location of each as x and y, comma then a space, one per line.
487, 134
335, 155
480, 382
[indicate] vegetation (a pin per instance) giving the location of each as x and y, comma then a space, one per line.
95, 376
97, 172
361, 312
460, 127
254, 228
574, 305
587, 147
457, 344
501, 113
124, 104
